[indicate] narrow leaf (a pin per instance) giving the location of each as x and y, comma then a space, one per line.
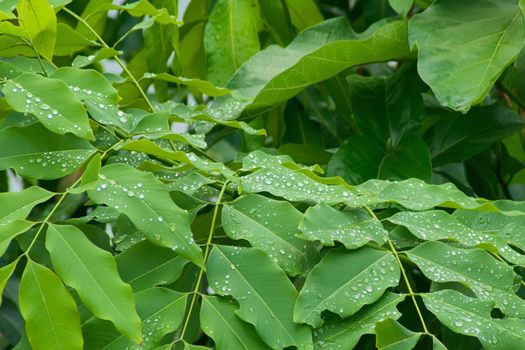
343, 282
390, 335
50, 314
39, 19
263, 291
5, 273
92, 272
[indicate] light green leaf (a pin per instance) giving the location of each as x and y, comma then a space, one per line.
471, 317
69, 41
269, 225
18, 205
303, 13
230, 37
390, 335
339, 334
87, 84
11, 230
105, 52
438, 225
51, 102
147, 203
35, 152
200, 85
331, 47
263, 291
6, 272
161, 310
39, 19
354, 228
343, 282
463, 47
488, 278
92, 272
146, 265
219, 322
401, 6
50, 314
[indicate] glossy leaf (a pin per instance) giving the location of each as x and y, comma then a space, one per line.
337, 333
147, 203
269, 225
227, 330
39, 19
6, 272
92, 272
464, 46
50, 100
390, 335
343, 282
472, 317
34, 151
488, 278
230, 37
353, 228
264, 293
50, 313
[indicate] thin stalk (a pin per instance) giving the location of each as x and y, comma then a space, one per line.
405, 276
195, 292
117, 59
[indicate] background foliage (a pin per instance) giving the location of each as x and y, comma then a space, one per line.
242, 174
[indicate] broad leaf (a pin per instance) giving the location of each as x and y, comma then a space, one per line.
263, 291
337, 333
147, 203
92, 272
51, 101
147, 265
219, 321
269, 225
333, 43
390, 335
50, 313
35, 152
39, 19
230, 37
472, 317
354, 228
463, 47
343, 282
18, 205
488, 278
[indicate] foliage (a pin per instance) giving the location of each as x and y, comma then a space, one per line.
243, 174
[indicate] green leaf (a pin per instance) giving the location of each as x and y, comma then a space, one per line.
269, 225
390, 335
230, 37
51, 102
439, 225
219, 322
471, 317
69, 41
87, 85
39, 19
263, 291
11, 230
303, 13
35, 152
354, 228
18, 205
343, 282
145, 265
147, 203
476, 269
50, 314
162, 311
457, 137
332, 46
6, 272
200, 85
401, 6
338, 334
463, 47
92, 272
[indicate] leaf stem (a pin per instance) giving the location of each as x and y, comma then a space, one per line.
117, 59
403, 272
195, 292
